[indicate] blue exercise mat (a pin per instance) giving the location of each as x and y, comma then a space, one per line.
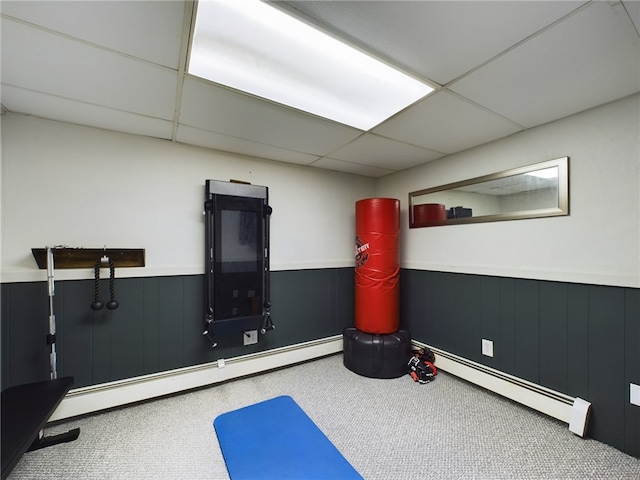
276, 440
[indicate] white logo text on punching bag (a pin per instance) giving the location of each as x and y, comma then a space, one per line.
361, 252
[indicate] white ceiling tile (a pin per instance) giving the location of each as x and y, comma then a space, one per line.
376, 151
348, 167
113, 65
446, 123
225, 143
50, 63
440, 40
221, 110
143, 29
65, 110
590, 58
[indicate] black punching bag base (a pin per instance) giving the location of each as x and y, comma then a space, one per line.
376, 356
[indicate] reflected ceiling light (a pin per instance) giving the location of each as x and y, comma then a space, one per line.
251, 46
545, 173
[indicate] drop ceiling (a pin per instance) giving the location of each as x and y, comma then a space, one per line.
498, 67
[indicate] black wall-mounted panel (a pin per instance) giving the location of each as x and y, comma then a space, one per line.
237, 281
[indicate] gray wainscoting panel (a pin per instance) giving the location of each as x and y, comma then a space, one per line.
158, 325
606, 364
24, 352
127, 330
75, 321
490, 312
577, 340
554, 335
170, 323
527, 330
582, 340
632, 369
505, 347
310, 304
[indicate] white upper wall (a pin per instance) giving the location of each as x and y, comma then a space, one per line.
83, 187
598, 243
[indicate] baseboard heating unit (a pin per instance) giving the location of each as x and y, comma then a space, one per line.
81, 401
552, 403
95, 398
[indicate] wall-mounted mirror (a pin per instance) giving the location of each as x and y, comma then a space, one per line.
538, 190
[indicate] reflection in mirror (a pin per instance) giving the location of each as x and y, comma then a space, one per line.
539, 190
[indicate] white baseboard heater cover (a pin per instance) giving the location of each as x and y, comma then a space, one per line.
579, 417
95, 398
552, 403
81, 401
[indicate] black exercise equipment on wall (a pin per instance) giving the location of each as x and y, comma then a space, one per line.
26, 408
97, 304
42, 441
236, 259
71, 435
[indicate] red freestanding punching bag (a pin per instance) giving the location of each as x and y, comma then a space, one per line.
377, 270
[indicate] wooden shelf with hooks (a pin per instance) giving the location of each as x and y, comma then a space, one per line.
64, 257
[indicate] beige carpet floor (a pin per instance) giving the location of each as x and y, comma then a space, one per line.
387, 429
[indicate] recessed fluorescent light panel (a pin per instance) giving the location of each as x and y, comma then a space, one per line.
545, 173
254, 47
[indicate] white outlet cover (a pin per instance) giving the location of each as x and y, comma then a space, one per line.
487, 348
634, 394
250, 337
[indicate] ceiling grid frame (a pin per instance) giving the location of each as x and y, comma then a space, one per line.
447, 121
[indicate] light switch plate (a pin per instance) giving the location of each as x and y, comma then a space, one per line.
634, 394
487, 347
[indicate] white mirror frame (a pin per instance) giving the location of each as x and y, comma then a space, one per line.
562, 208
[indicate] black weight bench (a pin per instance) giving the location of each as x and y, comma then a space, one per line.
25, 411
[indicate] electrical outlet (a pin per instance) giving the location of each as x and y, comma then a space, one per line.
634, 394
250, 337
487, 348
